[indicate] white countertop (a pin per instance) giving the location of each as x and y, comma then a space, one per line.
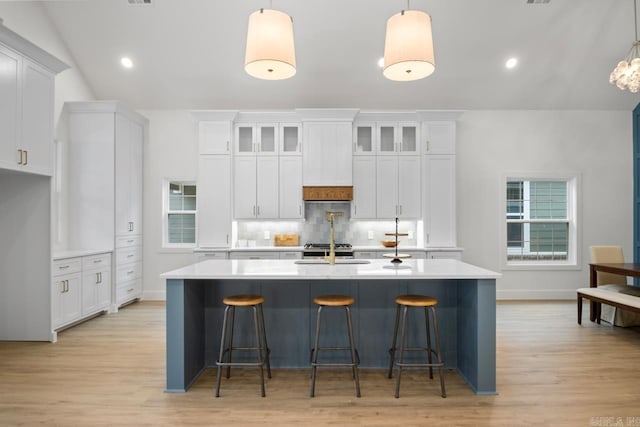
300, 248
289, 270
78, 253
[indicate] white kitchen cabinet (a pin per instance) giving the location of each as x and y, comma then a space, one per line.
398, 187
290, 255
204, 255
96, 283
363, 205
256, 139
214, 201
364, 139
401, 138
129, 138
439, 137
256, 187
26, 123
66, 294
290, 139
26, 107
214, 137
327, 154
290, 194
440, 200
105, 180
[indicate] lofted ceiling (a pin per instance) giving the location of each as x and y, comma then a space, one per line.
189, 54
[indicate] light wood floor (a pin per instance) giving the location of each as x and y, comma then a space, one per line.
110, 371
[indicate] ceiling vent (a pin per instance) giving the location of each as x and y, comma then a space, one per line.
529, 1
139, 2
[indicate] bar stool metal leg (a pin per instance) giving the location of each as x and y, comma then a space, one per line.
266, 345
222, 348
429, 358
259, 349
353, 351
314, 362
392, 350
230, 347
402, 346
439, 351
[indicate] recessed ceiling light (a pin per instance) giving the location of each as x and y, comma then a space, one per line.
511, 63
381, 62
126, 62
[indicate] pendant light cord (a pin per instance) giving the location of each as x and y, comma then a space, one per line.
635, 17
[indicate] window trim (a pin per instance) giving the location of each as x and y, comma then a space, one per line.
166, 212
574, 258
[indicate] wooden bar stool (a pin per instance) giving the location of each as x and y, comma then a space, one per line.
334, 301
404, 302
226, 342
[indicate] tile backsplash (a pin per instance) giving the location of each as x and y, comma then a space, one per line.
315, 228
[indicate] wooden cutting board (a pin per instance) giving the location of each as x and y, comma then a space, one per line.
286, 240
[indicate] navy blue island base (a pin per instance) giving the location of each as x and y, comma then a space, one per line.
466, 313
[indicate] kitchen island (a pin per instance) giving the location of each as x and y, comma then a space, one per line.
466, 312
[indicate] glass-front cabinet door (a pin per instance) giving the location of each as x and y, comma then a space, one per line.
245, 141
364, 139
399, 138
267, 139
408, 138
290, 139
387, 138
256, 139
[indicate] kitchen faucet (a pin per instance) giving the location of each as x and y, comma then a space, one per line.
332, 240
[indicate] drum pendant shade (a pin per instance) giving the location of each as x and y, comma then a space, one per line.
408, 48
270, 52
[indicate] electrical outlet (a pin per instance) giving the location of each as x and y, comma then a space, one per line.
370, 234
267, 234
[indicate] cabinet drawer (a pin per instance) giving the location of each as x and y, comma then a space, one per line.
128, 291
254, 255
211, 255
127, 241
291, 255
367, 254
128, 272
96, 261
67, 266
128, 255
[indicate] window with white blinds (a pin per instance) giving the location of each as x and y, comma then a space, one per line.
180, 213
540, 220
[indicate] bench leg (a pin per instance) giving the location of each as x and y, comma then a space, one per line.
579, 309
598, 312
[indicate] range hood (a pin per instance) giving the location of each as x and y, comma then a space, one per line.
327, 193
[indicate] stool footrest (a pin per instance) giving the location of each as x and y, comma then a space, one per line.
240, 363
334, 364
420, 365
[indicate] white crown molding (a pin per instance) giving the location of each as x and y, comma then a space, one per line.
105, 107
26, 48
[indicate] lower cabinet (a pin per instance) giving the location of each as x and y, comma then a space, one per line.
266, 255
128, 269
81, 288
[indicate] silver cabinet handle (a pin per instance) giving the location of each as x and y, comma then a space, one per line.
26, 157
428, 145
97, 261
400, 209
299, 209
131, 255
130, 272
227, 146
63, 267
258, 210
97, 278
254, 210
19, 156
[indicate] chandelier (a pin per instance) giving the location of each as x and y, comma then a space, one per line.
626, 75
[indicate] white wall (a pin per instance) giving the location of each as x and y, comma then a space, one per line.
171, 152
598, 144
30, 20
595, 143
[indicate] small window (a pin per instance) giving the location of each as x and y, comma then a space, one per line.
541, 221
180, 214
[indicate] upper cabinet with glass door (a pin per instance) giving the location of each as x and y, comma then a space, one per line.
364, 139
398, 138
256, 139
290, 140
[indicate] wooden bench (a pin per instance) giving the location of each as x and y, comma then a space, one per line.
603, 296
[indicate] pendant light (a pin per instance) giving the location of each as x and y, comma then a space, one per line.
270, 52
408, 46
626, 75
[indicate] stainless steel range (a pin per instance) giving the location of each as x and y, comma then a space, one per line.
319, 250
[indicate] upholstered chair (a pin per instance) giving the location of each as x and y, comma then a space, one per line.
616, 283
